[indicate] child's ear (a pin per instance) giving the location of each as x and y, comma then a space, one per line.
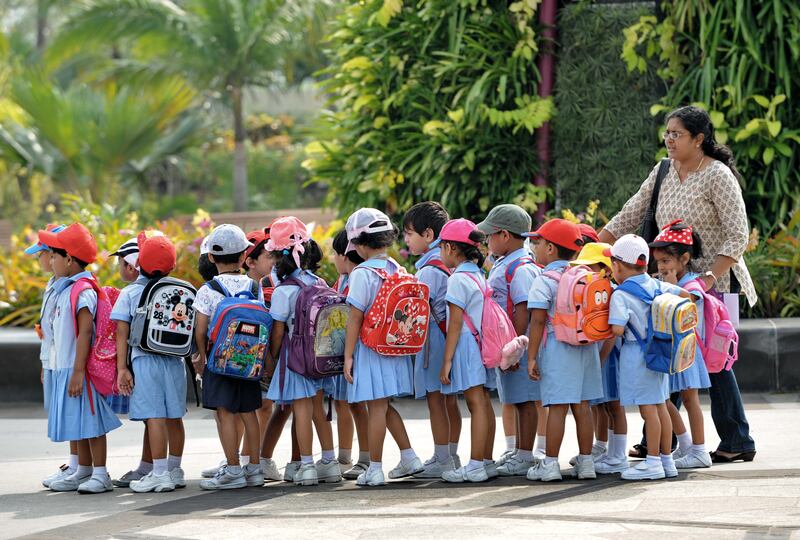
429, 235
686, 257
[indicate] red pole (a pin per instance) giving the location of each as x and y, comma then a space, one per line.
547, 18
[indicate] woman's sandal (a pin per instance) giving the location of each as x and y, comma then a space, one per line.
741, 456
638, 451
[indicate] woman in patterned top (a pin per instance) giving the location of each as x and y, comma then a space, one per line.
702, 188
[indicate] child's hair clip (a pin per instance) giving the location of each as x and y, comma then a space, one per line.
285, 251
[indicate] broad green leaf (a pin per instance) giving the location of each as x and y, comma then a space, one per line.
769, 155
761, 100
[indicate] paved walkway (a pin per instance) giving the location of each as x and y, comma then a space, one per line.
752, 500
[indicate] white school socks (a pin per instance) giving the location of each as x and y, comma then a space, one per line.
653, 461
99, 472
160, 466
453, 448
375, 466
345, 455
541, 443
73, 462
699, 448
474, 464
144, 467
244, 460
685, 441
81, 471
511, 443
235, 469
667, 461
600, 444
525, 455
407, 455
548, 460
620, 445
441, 452
583, 457
328, 455
488, 461
363, 456
173, 462
306, 459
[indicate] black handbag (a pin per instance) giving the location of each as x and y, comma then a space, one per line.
649, 228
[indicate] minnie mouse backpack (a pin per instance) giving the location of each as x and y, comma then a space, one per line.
164, 319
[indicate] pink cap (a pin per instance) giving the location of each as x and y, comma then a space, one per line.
286, 233
457, 230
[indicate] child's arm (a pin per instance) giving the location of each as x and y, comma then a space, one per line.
124, 377
275, 342
454, 326
538, 325
84, 341
605, 350
354, 321
521, 318
617, 330
200, 331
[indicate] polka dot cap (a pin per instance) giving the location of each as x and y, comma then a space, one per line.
676, 232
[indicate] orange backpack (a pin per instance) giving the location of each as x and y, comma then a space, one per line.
582, 303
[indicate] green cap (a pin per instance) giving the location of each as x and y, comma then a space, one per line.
506, 217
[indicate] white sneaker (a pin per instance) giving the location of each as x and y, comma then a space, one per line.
96, 485
253, 476
178, 477
355, 471
153, 482
583, 469
328, 472
345, 466
126, 479
694, 460
224, 479
643, 472
598, 451
374, 478
211, 472
62, 473
70, 483
435, 469
679, 453
491, 469
505, 456
270, 470
670, 471
306, 475
462, 474
406, 469
456, 461
290, 470
544, 472
611, 465
515, 466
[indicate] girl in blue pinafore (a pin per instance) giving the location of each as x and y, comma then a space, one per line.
375, 378
462, 368
673, 251
297, 256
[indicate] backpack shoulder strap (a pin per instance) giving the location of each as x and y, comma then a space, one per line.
216, 286
663, 169
554, 275
78, 287
439, 265
146, 291
515, 265
637, 291
254, 288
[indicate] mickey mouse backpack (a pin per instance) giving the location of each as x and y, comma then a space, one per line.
164, 319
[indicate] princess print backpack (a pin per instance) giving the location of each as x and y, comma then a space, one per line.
671, 342
720, 344
164, 319
582, 305
101, 364
238, 334
397, 322
497, 330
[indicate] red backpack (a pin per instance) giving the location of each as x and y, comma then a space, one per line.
397, 322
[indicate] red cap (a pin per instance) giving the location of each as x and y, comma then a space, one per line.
561, 233
156, 254
589, 232
256, 238
76, 240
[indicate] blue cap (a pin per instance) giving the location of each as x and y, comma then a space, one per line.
33, 249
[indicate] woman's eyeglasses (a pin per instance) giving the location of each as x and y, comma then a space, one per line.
671, 135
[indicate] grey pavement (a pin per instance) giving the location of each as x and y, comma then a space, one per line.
753, 500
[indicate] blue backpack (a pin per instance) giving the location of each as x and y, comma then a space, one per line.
671, 341
238, 334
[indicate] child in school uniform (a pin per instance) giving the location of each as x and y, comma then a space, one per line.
77, 411
511, 278
639, 385
570, 375
374, 378
421, 227
462, 369
228, 396
348, 415
158, 392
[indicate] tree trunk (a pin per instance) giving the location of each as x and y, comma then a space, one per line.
239, 152
42, 7
547, 19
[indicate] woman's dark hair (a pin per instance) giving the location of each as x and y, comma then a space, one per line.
697, 121
377, 240
340, 246
677, 250
472, 253
63, 253
426, 215
309, 259
206, 268
257, 251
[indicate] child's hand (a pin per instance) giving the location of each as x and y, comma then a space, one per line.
444, 374
125, 382
41, 376
533, 370
75, 387
199, 362
348, 369
670, 276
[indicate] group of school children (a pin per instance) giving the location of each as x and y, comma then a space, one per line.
541, 378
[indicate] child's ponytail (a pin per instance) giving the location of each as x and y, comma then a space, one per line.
470, 252
310, 259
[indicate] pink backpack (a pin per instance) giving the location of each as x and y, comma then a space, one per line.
101, 365
497, 330
720, 345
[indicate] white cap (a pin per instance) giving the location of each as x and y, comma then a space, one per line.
204, 246
366, 220
631, 249
129, 251
227, 239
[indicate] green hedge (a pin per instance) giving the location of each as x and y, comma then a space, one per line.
604, 138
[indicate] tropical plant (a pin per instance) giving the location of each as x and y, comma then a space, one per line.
740, 60
431, 99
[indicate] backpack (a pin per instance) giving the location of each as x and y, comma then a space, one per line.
439, 265
397, 322
267, 287
511, 271
671, 342
164, 320
316, 346
720, 345
238, 334
581, 310
101, 364
497, 330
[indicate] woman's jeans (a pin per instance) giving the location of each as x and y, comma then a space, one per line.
727, 412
